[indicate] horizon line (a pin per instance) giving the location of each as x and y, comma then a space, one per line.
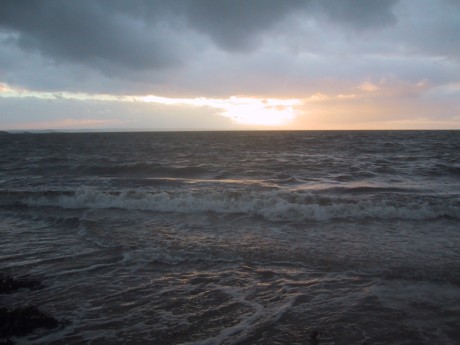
171, 130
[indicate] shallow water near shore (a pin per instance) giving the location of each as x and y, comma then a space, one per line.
236, 237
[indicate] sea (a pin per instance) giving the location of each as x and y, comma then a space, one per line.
261, 237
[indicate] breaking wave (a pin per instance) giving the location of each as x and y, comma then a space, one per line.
272, 205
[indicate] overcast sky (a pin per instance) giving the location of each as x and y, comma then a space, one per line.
239, 64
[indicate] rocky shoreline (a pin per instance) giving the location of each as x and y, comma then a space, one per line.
19, 322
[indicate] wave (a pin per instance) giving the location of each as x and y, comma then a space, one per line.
141, 169
272, 205
109, 169
368, 189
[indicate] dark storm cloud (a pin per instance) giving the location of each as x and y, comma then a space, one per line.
236, 25
222, 48
153, 34
89, 32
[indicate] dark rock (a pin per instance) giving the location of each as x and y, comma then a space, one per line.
21, 321
314, 336
9, 284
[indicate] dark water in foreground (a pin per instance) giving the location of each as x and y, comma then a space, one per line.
236, 237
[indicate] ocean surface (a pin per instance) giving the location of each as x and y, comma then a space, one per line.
235, 237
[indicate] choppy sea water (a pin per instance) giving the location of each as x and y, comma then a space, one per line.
235, 237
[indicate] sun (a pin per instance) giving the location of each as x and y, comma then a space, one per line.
242, 110
263, 112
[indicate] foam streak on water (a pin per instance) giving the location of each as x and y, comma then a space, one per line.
235, 237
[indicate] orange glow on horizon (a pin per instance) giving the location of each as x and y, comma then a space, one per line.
242, 110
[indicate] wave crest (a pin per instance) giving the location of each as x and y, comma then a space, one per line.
272, 205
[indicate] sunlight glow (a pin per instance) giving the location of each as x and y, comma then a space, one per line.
260, 112
248, 111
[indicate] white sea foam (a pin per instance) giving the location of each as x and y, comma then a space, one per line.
272, 205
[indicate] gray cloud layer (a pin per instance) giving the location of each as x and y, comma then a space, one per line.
219, 47
116, 35
140, 33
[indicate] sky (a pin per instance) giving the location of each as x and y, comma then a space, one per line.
229, 64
